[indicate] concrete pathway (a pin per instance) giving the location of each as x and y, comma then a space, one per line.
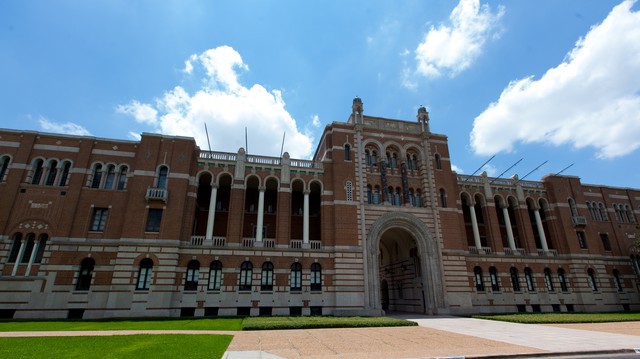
544, 337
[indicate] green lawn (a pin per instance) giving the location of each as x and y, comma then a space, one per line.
119, 346
233, 324
163, 324
265, 323
562, 318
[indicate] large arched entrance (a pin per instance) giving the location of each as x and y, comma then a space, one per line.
404, 266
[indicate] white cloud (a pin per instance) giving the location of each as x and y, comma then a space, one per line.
227, 107
315, 120
591, 99
490, 169
67, 128
452, 49
134, 136
141, 112
456, 169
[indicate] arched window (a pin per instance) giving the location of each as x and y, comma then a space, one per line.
86, 272
438, 161
443, 198
367, 157
53, 172
548, 282
572, 207
215, 275
296, 277
193, 272
37, 171
110, 178
592, 213
528, 276
163, 173
347, 153
29, 244
390, 195
408, 163
635, 263
64, 176
42, 243
15, 249
477, 275
418, 200
591, 278
144, 274
394, 160
493, 276
397, 197
562, 278
515, 280
629, 212
376, 195
246, 272
617, 281
122, 178
349, 188
4, 166
603, 212
369, 195
316, 277
374, 158
266, 278
97, 176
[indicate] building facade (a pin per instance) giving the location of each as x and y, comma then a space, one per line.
376, 221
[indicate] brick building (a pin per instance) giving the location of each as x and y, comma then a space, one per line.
377, 220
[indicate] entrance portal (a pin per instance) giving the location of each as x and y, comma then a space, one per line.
404, 266
400, 272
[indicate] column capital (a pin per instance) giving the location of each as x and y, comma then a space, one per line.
214, 185
262, 188
306, 192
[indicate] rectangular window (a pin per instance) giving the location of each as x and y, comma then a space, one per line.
99, 219
582, 241
605, 241
153, 220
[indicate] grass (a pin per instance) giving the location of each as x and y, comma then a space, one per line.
119, 346
562, 318
267, 323
233, 324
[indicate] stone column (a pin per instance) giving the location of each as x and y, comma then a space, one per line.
18, 258
543, 238
507, 225
36, 244
212, 211
261, 215
474, 226
305, 218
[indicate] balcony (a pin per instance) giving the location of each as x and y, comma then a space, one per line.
514, 252
153, 194
315, 244
211, 242
579, 221
482, 250
295, 243
549, 253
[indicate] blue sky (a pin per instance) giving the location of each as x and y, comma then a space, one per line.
541, 80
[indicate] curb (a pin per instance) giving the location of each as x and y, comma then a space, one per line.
557, 354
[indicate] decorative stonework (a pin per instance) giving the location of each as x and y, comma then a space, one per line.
34, 225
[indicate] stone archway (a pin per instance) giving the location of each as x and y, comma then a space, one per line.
402, 252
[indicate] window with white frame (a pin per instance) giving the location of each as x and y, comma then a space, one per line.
99, 219
246, 274
591, 279
477, 275
493, 276
316, 277
193, 272
515, 280
296, 277
266, 277
562, 279
144, 274
528, 277
215, 275
548, 282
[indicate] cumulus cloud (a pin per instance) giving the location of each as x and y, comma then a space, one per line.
67, 128
591, 99
456, 169
227, 107
315, 120
141, 112
450, 49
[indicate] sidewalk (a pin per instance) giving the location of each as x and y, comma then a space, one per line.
437, 336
